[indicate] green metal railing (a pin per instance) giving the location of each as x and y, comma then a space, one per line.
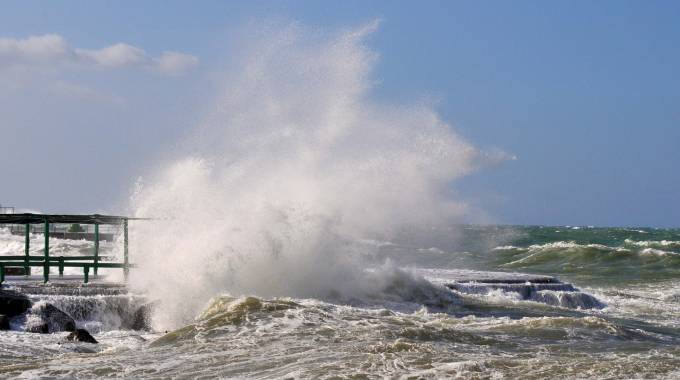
45, 261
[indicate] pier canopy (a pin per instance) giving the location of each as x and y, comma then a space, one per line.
62, 218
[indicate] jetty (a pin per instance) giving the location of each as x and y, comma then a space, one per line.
25, 262
524, 286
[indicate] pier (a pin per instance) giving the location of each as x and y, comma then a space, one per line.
45, 261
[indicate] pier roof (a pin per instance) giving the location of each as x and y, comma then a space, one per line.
62, 218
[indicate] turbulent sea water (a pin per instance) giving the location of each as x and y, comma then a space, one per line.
287, 241
413, 328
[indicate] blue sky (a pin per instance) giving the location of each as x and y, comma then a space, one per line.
585, 94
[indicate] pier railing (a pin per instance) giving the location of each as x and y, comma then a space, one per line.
26, 261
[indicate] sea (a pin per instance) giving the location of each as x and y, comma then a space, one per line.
616, 315
307, 224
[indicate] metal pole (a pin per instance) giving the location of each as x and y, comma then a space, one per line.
27, 243
96, 247
46, 268
126, 262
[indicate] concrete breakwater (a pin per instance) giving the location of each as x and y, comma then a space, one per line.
519, 286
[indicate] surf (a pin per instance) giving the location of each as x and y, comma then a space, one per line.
295, 166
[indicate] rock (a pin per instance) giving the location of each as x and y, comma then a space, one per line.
41, 328
81, 335
13, 303
4, 322
50, 319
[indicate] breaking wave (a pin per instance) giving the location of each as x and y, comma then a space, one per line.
659, 244
384, 342
633, 259
296, 165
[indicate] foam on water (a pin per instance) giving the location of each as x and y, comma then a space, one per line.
654, 243
273, 338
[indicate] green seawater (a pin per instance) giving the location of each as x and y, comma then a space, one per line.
585, 255
414, 331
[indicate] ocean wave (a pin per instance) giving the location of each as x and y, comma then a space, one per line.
646, 248
433, 250
560, 245
507, 248
381, 342
665, 244
658, 303
658, 252
561, 295
255, 337
227, 315
527, 325
608, 263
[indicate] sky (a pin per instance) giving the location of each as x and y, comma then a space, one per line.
585, 95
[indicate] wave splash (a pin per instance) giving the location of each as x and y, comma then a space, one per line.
295, 166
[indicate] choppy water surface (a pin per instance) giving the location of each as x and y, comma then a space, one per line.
416, 329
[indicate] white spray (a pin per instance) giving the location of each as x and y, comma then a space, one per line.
296, 164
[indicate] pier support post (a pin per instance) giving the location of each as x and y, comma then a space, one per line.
126, 262
27, 243
61, 266
46, 267
86, 274
96, 247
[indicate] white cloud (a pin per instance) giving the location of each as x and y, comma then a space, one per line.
52, 49
46, 49
118, 55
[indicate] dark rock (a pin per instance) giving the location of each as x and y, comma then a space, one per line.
4, 322
13, 303
51, 317
41, 328
81, 335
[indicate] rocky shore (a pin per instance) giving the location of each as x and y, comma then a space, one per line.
35, 314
